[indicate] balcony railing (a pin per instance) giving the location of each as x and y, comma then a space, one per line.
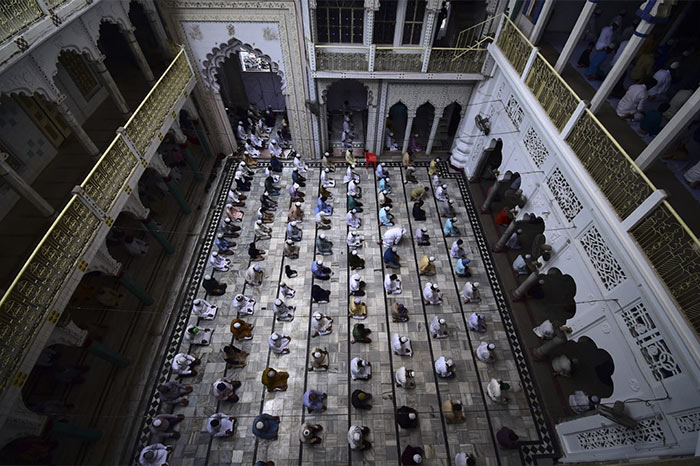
45, 282
444, 60
355, 59
16, 15
407, 59
665, 239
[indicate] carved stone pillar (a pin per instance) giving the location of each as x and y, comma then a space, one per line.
67, 333
157, 27
500, 245
103, 262
23, 189
433, 130
409, 128
520, 292
139, 56
76, 128
20, 421
323, 120
181, 139
111, 86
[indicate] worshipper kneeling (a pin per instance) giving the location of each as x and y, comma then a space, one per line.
392, 284
447, 208
319, 360
355, 261
319, 295
324, 246
360, 399
441, 193
384, 200
384, 185
381, 172
282, 311
290, 249
135, 246
266, 426
393, 236
445, 368
418, 212
286, 291
198, 336
426, 266
174, 393
407, 417
278, 343
275, 381
233, 213
360, 369
360, 334
385, 217
354, 239
405, 378
412, 455
203, 309
419, 192
352, 219
357, 285
320, 271
254, 253
401, 345
399, 313
224, 245
241, 329
243, 305
326, 162
495, 390
182, 365
450, 229
308, 433
432, 294
462, 268
295, 193
563, 365
350, 175
254, 275
358, 309
452, 410
163, 426
411, 175
354, 189
477, 322
220, 425
323, 206
322, 221
471, 293
295, 212
422, 237
544, 331
234, 357
456, 250
353, 203
298, 178
224, 389
392, 258
438, 327
294, 233
579, 402
357, 438
154, 455
506, 438
326, 180
313, 400
321, 325
484, 352
220, 263
464, 459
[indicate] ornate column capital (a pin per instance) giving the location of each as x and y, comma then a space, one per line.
103, 262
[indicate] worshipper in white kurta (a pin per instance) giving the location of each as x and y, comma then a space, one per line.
465, 459
392, 284
495, 390
692, 175
447, 208
254, 275
203, 309
261, 231
299, 164
220, 425
444, 368
438, 327
441, 193
250, 148
220, 263
241, 132
154, 455
663, 81
224, 389
274, 148
422, 237
319, 360
326, 180
286, 291
432, 294
357, 285
322, 220
354, 239
321, 325
381, 172
182, 363
360, 369
393, 236
356, 438
234, 198
632, 103
294, 232
350, 175
326, 162
290, 250
544, 331
405, 378
484, 352
477, 322
352, 219
278, 343
198, 336
401, 345
520, 264
580, 402
255, 140
135, 246
283, 312
606, 36
471, 293
243, 305
390, 142
456, 250
243, 167
354, 189
563, 365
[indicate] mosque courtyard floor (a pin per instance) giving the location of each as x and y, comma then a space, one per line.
441, 441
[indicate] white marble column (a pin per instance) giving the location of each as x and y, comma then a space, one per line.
620, 67
139, 56
75, 127
575, 35
670, 132
433, 130
23, 189
542, 21
111, 86
407, 133
400, 20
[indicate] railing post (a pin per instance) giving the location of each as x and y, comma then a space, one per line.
528, 65
644, 209
575, 34
426, 59
312, 56
92, 206
580, 108
370, 58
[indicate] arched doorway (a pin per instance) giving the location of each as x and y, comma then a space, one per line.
346, 105
422, 124
447, 128
396, 125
